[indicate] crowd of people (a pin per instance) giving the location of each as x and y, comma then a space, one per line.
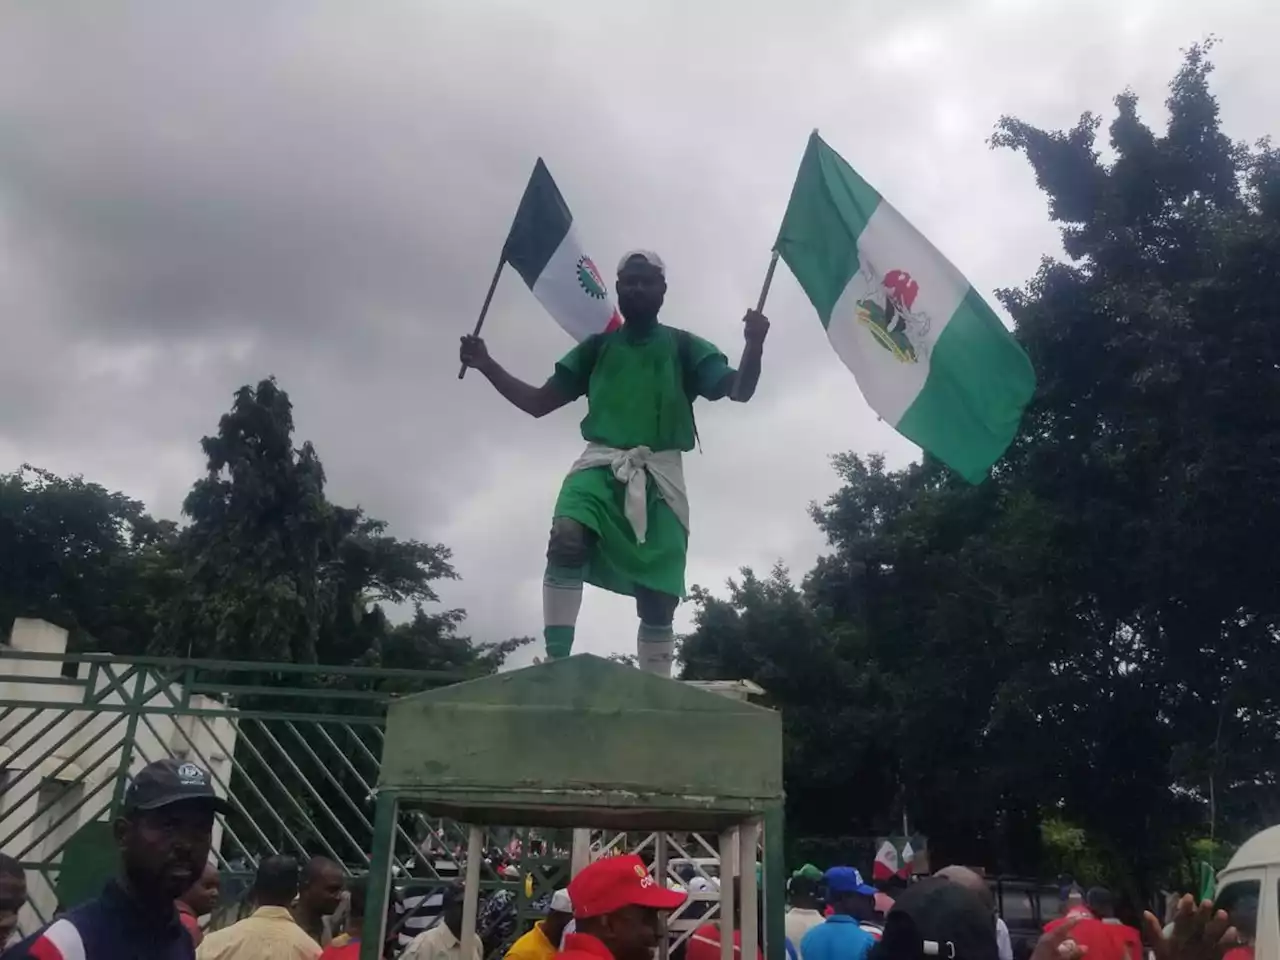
301, 909
611, 910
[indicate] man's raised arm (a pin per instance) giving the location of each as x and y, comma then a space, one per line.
535, 401
740, 385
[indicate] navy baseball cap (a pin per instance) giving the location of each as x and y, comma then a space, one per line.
170, 781
847, 880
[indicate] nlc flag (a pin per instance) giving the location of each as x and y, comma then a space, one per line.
929, 355
544, 249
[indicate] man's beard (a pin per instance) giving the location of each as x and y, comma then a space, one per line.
639, 314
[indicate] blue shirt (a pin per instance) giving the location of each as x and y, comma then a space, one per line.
109, 927
839, 937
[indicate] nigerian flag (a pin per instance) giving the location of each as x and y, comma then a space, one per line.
929, 355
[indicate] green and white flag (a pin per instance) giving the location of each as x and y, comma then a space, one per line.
929, 355
546, 252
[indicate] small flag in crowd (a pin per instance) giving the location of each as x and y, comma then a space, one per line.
929, 355
908, 860
886, 864
544, 249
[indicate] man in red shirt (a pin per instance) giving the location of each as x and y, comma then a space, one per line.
1103, 905
615, 908
704, 944
1105, 937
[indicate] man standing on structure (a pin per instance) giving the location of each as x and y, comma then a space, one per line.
621, 521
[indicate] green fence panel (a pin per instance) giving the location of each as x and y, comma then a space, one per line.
294, 748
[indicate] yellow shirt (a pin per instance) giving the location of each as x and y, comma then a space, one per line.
534, 945
269, 933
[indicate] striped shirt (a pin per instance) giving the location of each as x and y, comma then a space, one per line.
416, 914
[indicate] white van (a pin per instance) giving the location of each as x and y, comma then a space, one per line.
1249, 890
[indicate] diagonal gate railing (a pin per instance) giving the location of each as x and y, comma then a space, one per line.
294, 749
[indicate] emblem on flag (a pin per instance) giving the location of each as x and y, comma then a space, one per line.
885, 310
589, 278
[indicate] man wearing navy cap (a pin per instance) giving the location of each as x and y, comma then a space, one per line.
621, 521
163, 834
840, 936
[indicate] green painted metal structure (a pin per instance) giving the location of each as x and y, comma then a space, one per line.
583, 743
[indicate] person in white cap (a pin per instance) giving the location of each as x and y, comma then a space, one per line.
543, 941
621, 521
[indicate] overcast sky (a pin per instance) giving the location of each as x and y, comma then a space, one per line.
195, 195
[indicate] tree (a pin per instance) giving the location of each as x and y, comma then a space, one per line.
267, 569
256, 553
1153, 443
1085, 637
77, 555
835, 705
431, 642
273, 570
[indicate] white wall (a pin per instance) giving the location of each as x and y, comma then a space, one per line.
62, 751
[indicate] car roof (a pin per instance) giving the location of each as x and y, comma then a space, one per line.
1261, 849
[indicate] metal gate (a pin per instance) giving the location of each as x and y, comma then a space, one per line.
295, 749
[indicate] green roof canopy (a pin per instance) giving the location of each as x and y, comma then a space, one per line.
584, 742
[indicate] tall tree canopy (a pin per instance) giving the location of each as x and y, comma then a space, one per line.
267, 568
75, 554
1091, 633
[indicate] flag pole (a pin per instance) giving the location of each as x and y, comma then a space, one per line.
773, 265
768, 282
484, 309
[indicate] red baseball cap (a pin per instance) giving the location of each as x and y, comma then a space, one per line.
616, 882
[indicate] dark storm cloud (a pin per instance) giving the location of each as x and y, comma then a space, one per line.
194, 195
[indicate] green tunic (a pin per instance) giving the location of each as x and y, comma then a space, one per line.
638, 392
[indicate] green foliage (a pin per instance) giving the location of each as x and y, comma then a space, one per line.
837, 707
1153, 443
1070, 851
75, 554
1093, 631
267, 568
1216, 853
